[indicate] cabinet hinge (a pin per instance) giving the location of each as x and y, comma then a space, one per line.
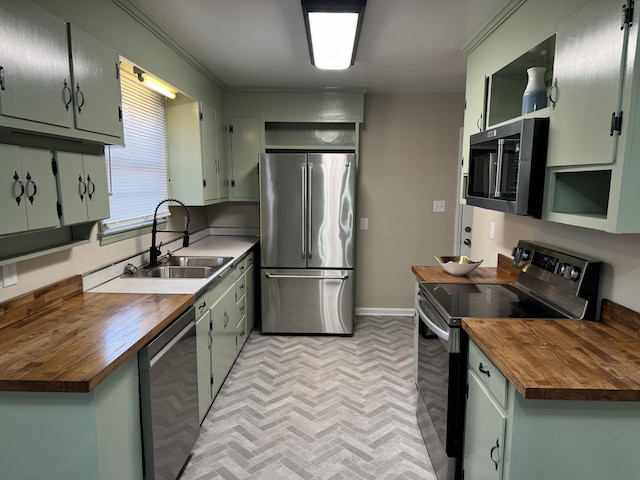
1, 77
204, 182
59, 209
54, 167
201, 115
211, 379
616, 123
119, 113
233, 184
465, 103
117, 70
230, 128
627, 15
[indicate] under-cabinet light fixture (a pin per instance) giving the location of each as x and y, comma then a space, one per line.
333, 29
152, 83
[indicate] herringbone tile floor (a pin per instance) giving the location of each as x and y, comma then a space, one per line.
327, 408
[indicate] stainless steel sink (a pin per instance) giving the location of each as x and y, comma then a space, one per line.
215, 262
167, 271
181, 267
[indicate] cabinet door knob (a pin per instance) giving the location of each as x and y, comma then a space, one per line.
553, 94
493, 449
483, 370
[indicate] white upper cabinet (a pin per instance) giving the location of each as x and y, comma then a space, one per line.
55, 79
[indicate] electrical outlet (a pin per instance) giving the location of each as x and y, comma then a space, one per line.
438, 205
9, 275
492, 230
364, 223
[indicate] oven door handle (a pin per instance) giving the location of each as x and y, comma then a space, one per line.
442, 334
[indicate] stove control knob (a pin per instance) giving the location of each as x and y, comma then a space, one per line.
574, 273
521, 254
563, 269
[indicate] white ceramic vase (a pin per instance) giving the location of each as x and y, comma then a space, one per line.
535, 95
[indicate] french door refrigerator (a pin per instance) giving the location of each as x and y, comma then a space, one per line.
307, 218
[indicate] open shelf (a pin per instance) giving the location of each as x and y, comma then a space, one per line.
508, 83
582, 193
280, 135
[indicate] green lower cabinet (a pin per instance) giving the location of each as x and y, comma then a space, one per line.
547, 439
74, 436
484, 433
204, 341
223, 353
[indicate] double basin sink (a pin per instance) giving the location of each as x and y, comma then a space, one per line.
183, 267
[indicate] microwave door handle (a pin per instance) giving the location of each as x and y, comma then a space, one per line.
491, 175
499, 168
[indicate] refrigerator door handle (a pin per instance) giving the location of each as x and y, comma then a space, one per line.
303, 170
309, 215
308, 277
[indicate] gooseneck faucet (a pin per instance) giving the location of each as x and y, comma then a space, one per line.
154, 252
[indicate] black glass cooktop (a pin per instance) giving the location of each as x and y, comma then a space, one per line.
456, 300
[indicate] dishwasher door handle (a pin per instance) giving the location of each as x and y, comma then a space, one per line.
158, 356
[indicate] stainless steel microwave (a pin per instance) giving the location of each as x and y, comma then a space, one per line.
507, 166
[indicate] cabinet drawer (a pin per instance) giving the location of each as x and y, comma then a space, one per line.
490, 376
241, 287
241, 308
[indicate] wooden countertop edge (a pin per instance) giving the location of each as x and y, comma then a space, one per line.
503, 273
530, 392
104, 373
89, 384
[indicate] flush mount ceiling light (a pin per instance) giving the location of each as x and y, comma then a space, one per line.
151, 83
333, 29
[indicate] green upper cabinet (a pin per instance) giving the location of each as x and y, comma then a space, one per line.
589, 62
55, 79
245, 149
195, 134
96, 85
29, 192
592, 176
36, 79
82, 186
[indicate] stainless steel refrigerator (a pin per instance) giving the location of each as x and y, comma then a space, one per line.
307, 218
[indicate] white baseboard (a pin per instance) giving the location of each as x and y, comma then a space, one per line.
385, 312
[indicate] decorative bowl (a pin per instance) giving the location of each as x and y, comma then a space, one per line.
458, 265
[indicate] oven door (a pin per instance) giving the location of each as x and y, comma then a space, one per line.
439, 408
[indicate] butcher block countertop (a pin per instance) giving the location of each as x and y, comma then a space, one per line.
59, 339
503, 273
566, 359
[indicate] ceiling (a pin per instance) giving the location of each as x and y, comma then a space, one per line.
406, 46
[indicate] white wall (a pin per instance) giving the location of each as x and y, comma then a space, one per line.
620, 254
408, 159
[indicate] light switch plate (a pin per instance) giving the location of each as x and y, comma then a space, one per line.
364, 223
9, 275
438, 205
492, 230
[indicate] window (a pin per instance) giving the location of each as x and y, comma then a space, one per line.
138, 171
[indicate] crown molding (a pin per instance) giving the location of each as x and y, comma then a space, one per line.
135, 12
494, 22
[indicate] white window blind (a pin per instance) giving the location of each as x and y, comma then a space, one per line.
138, 171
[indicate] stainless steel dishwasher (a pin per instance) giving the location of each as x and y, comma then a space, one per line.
169, 398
